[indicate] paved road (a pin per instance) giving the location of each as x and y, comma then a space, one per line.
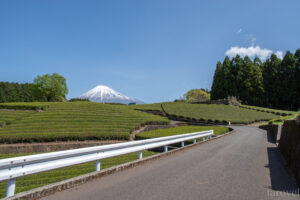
242, 165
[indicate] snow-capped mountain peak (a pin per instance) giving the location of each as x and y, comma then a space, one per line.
105, 94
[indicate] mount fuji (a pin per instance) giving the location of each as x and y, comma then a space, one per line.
104, 94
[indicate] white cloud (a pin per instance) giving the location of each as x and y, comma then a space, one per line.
279, 54
251, 51
240, 30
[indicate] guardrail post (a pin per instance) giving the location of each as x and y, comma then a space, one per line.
209, 137
194, 141
10, 187
98, 165
203, 139
182, 144
140, 155
165, 148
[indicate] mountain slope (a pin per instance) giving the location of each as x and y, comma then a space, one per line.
104, 94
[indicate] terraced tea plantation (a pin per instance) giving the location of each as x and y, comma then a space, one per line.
180, 130
72, 121
8, 116
45, 178
210, 112
269, 110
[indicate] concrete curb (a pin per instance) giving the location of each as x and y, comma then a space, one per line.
73, 182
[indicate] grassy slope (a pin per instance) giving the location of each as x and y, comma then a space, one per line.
210, 112
180, 130
76, 121
45, 178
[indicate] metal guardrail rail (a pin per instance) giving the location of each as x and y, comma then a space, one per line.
13, 168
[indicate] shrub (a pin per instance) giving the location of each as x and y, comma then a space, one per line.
233, 101
225, 122
202, 120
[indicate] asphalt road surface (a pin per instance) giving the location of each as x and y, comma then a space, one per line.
242, 165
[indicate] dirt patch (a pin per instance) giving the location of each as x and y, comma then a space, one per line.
51, 146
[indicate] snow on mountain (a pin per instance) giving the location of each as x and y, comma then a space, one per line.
104, 94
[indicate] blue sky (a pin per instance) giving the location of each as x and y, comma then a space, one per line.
154, 50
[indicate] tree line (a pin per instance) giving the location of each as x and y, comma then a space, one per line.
17, 92
274, 83
44, 88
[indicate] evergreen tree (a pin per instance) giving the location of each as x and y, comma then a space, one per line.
271, 81
227, 84
217, 92
297, 77
234, 87
250, 83
288, 83
257, 62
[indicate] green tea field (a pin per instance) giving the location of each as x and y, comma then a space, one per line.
72, 121
210, 112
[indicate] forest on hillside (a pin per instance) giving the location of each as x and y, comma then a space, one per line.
274, 83
48, 87
17, 92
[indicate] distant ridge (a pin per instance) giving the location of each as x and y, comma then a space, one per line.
104, 94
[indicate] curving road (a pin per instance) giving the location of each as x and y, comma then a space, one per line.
242, 165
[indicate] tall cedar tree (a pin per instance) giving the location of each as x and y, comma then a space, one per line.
274, 83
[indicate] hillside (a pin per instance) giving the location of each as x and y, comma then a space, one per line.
210, 112
71, 121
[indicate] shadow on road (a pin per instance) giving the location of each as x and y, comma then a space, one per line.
281, 180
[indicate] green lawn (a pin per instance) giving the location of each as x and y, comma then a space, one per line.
210, 112
74, 121
180, 130
46, 178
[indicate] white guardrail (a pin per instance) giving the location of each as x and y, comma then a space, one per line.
17, 167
